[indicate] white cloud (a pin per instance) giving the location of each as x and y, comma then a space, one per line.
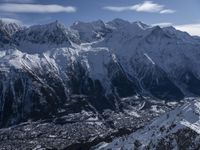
163, 24
117, 9
146, 6
11, 20
167, 11
19, 1
193, 29
35, 8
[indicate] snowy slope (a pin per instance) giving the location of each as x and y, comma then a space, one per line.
6, 32
90, 32
10, 28
176, 129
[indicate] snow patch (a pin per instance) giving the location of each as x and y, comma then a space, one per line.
145, 54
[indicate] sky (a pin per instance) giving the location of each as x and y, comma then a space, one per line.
183, 14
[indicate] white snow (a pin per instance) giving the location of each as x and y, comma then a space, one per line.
187, 115
145, 54
194, 126
132, 113
157, 110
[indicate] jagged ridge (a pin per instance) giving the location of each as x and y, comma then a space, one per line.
43, 66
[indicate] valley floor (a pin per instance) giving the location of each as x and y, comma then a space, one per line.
82, 130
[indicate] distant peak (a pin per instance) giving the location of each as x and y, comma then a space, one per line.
5, 23
76, 23
141, 25
9, 27
170, 28
50, 26
56, 24
157, 28
120, 21
158, 31
97, 22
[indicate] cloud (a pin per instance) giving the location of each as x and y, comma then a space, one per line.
117, 9
192, 29
11, 20
35, 8
146, 6
18, 1
167, 11
163, 24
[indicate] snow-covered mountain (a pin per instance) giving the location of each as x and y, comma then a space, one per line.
9, 28
178, 129
42, 67
6, 32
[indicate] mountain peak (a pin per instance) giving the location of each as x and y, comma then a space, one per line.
56, 24
141, 24
54, 32
93, 23
157, 29
90, 31
118, 23
50, 26
8, 27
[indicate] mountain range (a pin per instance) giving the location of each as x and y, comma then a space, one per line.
50, 71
